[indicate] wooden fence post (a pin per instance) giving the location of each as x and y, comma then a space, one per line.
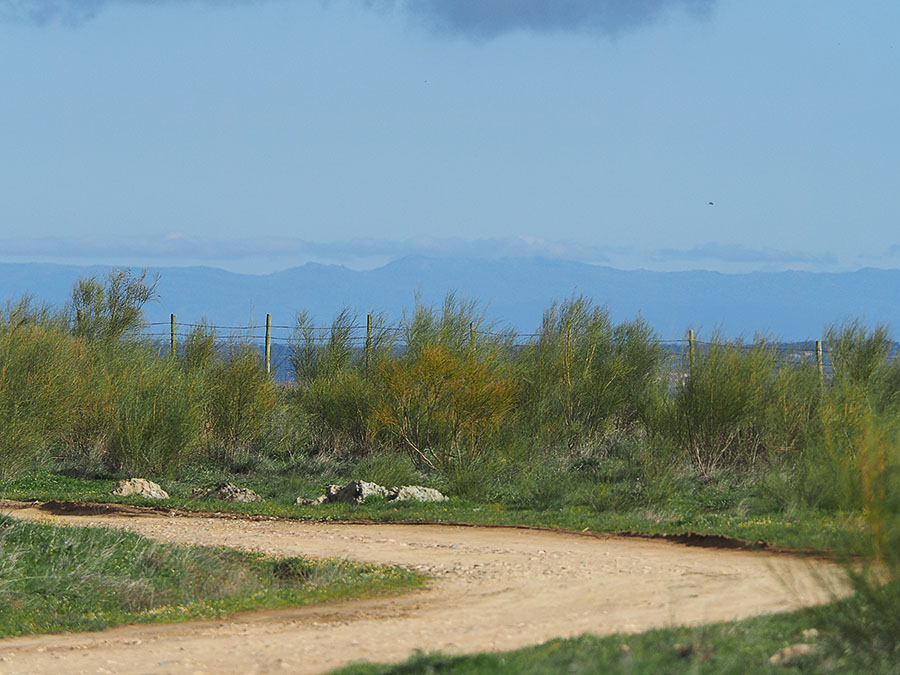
173, 340
368, 341
692, 355
268, 343
820, 363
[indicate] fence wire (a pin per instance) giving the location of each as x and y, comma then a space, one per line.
282, 335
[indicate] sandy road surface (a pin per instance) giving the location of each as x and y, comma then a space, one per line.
493, 589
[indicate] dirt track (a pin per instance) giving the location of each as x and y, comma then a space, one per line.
493, 589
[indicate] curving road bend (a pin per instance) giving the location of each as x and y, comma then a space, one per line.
491, 589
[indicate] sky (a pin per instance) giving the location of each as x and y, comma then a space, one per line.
257, 135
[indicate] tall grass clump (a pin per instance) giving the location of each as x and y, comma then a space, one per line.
199, 349
856, 353
133, 410
239, 403
110, 309
337, 379
866, 632
736, 406
37, 388
863, 385
584, 377
157, 420
85, 387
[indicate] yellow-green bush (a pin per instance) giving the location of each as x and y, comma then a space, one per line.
37, 390
584, 377
158, 417
239, 403
444, 407
340, 407
733, 407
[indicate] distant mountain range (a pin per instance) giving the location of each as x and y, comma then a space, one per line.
515, 292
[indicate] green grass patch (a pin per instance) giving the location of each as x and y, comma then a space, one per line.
734, 647
87, 578
688, 512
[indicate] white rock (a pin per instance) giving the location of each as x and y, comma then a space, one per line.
358, 491
231, 493
416, 493
141, 487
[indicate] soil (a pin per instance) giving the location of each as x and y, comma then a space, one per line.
490, 589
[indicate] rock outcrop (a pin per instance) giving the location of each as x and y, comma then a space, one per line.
227, 492
416, 493
356, 492
140, 487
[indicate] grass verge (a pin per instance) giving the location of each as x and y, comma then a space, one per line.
734, 647
56, 578
806, 530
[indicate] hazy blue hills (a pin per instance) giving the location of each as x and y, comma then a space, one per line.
786, 305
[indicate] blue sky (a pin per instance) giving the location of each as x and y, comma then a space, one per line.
259, 135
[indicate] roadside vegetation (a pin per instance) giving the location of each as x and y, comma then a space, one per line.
56, 578
735, 647
588, 424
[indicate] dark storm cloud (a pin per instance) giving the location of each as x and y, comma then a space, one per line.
490, 18
472, 18
74, 12
50, 11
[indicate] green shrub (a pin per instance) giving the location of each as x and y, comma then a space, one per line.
584, 377
113, 308
717, 415
199, 350
388, 469
442, 407
314, 356
459, 327
157, 417
36, 390
856, 353
240, 401
340, 408
867, 630
337, 379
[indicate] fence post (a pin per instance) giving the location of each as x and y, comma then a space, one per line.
173, 342
368, 341
691, 351
268, 343
820, 363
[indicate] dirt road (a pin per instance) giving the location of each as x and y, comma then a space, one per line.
492, 589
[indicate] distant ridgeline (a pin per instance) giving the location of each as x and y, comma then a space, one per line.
515, 292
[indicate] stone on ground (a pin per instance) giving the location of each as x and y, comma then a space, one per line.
416, 493
231, 493
227, 492
358, 491
140, 487
354, 492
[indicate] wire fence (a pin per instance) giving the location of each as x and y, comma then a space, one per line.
279, 338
